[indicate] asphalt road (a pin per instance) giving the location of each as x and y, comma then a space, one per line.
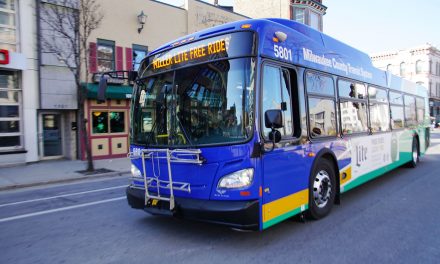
393, 219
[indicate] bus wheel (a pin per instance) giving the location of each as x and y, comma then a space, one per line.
322, 189
414, 154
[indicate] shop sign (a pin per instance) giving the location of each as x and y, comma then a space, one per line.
4, 56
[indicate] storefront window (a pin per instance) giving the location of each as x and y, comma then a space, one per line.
10, 97
7, 25
100, 122
108, 122
8, 142
7, 4
117, 124
7, 18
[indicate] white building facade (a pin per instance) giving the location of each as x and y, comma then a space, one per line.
420, 65
18, 83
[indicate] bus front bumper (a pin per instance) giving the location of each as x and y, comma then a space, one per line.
236, 214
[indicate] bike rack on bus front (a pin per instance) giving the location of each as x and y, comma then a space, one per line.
190, 156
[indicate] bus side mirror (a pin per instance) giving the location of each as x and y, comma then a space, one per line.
102, 88
274, 119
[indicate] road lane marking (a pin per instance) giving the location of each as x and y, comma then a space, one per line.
7, 219
63, 195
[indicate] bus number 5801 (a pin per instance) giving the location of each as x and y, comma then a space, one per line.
283, 53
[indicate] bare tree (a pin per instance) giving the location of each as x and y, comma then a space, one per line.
66, 26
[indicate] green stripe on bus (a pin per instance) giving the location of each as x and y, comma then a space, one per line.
404, 158
284, 216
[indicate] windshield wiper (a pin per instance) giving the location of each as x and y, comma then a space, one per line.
184, 132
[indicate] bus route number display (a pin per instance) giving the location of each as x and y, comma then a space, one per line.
192, 53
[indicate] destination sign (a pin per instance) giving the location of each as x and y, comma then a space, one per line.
224, 46
192, 53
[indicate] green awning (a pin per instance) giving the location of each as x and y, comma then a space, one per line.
113, 91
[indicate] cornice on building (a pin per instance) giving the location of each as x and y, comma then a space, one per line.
425, 49
382, 56
316, 5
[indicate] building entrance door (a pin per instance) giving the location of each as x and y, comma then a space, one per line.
52, 135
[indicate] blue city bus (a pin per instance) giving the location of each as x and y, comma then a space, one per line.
252, 122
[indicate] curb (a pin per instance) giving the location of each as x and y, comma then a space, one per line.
67, 180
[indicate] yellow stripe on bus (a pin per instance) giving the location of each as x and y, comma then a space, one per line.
284, 205
347, 171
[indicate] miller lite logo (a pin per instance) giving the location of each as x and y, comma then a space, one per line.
361, 155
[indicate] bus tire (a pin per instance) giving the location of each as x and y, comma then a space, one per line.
415, 154
322, 189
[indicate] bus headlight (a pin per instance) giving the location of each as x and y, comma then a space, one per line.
238, 179
135, 172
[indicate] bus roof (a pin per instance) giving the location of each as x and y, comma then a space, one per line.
309, 48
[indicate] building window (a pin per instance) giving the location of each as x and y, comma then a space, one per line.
315, 21
299, 15
106, 55
418, 67
7, 25
402, 69
139, 53
10, 123
389, 67
104, 122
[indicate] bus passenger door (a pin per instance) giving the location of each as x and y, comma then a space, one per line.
284, 180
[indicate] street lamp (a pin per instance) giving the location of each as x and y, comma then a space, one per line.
142, 18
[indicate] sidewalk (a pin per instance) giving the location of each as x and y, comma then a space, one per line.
56, 171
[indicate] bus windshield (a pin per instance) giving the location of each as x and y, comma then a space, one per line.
210, 103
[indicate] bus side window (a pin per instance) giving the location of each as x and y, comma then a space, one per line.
276, 95
396, 108
410, 111
290, 75
321, 105
353, 107
379, 109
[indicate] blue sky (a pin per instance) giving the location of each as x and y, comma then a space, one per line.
377, 25
383, 25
